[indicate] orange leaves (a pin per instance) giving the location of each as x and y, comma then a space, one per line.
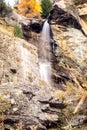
29, 8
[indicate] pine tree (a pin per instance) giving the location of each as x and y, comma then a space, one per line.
46, 6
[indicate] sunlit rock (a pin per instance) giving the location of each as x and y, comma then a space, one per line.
17, 57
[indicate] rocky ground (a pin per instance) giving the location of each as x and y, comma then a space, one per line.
27, 102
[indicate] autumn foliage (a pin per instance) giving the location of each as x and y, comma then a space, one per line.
29, 8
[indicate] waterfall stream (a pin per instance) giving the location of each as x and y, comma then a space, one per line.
44, 61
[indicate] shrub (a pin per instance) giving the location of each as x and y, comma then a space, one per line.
4, 9
18, 31
46, 6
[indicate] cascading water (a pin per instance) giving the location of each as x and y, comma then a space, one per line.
45, 66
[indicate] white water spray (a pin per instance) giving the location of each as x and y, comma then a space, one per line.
45, 37
45, 69
45, 66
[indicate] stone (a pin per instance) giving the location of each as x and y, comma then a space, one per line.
13, 63
27, 101
82, 9
78, 120
63, 14
30, 111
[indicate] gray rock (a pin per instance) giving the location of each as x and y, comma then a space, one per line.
78, 120
29, 107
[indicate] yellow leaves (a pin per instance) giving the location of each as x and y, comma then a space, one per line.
23, 10
38, 7
29, 8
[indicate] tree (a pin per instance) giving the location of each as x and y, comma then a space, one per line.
46, 6
4, 9
29, 8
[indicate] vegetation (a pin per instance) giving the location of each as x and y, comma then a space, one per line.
46, 6
4, 9
29, 8
18, 31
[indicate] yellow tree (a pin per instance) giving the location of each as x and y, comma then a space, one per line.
29, 8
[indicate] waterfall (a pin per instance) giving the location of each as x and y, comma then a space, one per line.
44, 61
45, 33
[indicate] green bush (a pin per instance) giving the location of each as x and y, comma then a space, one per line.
18, 31
4, 9
46, 6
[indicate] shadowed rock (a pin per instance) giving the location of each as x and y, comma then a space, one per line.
67, 16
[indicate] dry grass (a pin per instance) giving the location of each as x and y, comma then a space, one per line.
79, 95
83, 98
6, 29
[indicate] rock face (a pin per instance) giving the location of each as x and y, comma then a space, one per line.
34, 107
67, 15
70, 62
73, 43
29, 25
32, 28
16, 58
67, 31
26, 101
82, 9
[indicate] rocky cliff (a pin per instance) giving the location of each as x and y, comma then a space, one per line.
26, 101
16, 59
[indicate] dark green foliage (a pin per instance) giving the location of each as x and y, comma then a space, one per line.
4, 9
46, 6
18, 31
